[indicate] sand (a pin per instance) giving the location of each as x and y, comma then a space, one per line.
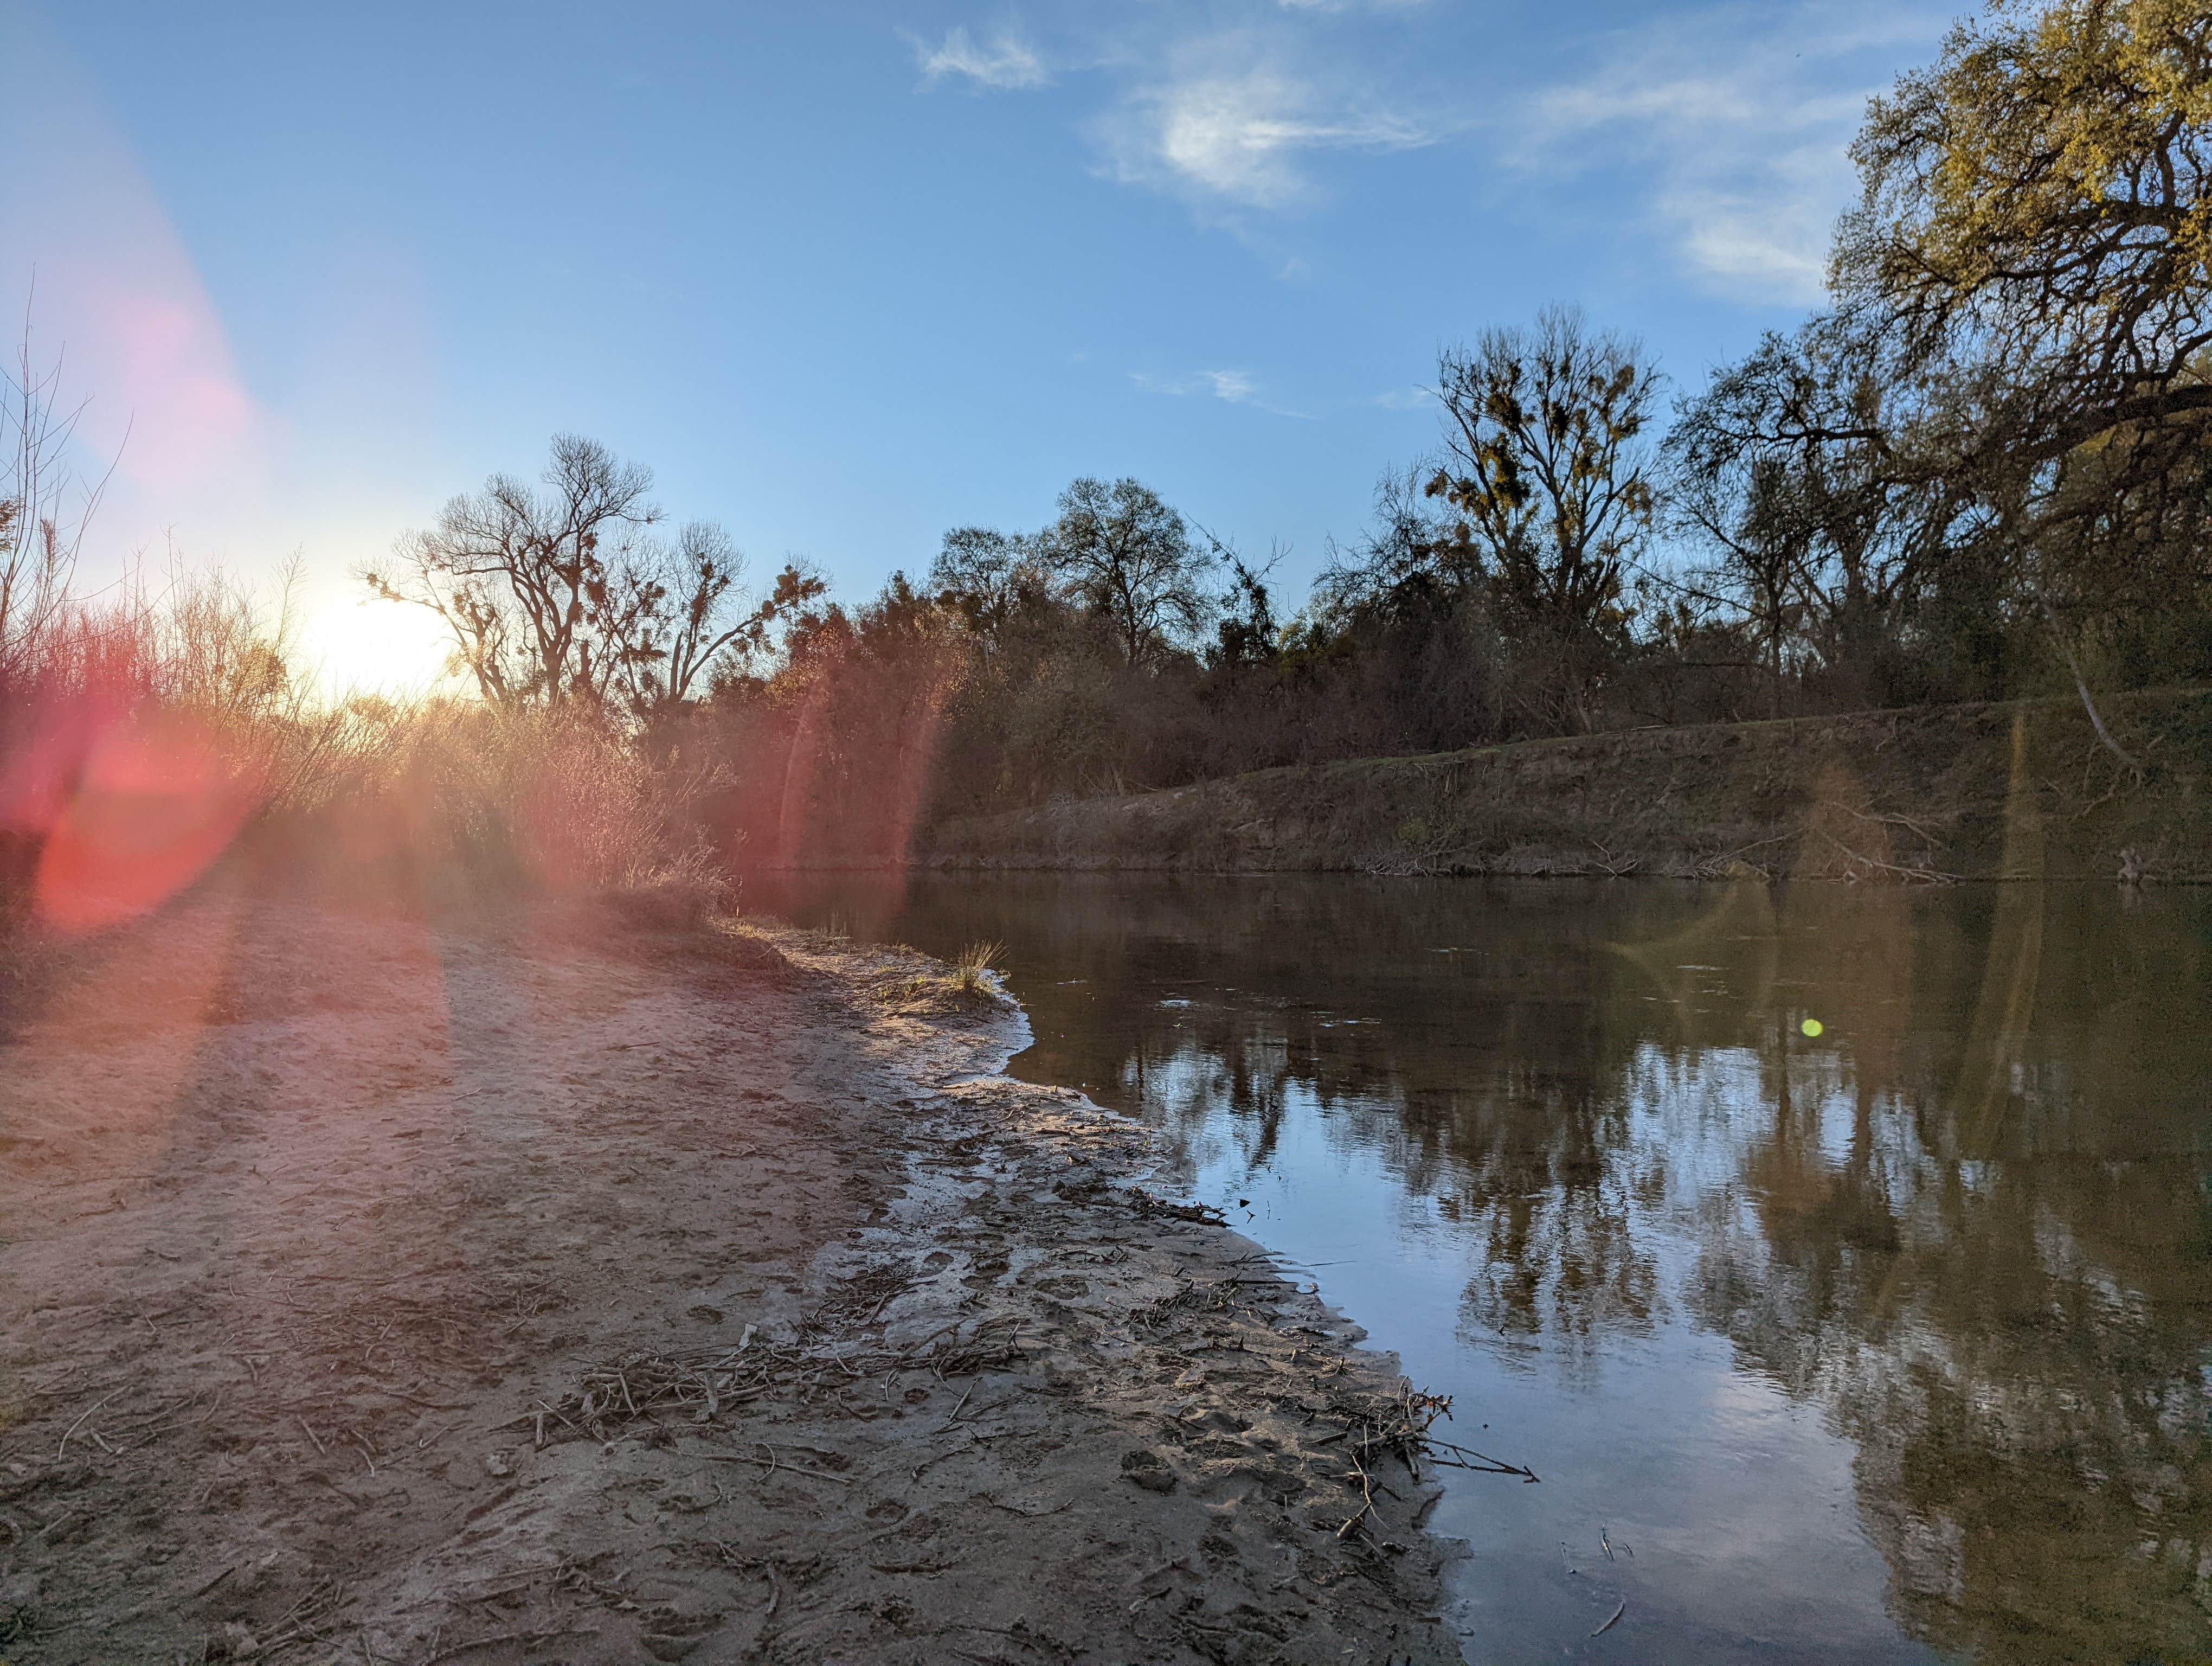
562, 1292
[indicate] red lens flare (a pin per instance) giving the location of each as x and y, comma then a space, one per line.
153, 799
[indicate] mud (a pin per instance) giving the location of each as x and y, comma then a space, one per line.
376, 1293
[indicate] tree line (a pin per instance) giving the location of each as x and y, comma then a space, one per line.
1979, 469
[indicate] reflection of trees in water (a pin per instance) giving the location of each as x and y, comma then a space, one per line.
1491, 1089
1520, 1160
1965, 1222
2029, 1415
1970, 1222
1990, 1263
1182, 1080
1556, 1211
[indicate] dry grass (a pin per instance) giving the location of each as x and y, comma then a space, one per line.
1914, 796
972, 977
443, 802
967, 984
683, 894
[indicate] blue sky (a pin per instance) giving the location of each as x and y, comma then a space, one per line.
848, 274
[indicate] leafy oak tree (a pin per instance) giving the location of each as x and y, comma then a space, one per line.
2038, 195
2034, 246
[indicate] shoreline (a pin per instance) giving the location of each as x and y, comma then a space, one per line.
365, 1294
2002, 791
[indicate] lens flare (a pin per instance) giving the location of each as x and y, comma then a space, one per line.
158, 798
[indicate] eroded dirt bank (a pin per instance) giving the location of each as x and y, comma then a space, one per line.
371, 1293
2013, 790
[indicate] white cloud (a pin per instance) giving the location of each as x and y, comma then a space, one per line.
1743, 117
1005, 61
1235, 388
1242, 135
1403, 398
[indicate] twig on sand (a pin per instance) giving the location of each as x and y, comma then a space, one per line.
1366, 1498
1016, 1510
213, 1582
810, 1371
753, 1564
928, 1462
60, 1451
775, 1463
955, 1418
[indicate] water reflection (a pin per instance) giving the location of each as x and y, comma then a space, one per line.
1967, 1229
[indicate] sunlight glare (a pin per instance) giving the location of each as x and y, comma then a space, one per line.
363, 645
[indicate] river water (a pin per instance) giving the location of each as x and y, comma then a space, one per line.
1840, 1259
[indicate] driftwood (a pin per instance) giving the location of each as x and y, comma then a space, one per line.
1398, 1427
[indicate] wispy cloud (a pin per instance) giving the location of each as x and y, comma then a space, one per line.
1005, 61
1743, 116
1235, 388
1245, 135
1403, 398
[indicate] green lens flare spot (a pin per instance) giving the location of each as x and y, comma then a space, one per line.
1811, 1027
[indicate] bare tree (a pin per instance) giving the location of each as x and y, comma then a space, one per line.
542, 592
984, 574
565, 600
1129, 558
1248, 634
1544, 463
698, 614
1827, 493
46, 506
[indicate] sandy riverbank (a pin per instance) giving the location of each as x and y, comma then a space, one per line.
376, 1292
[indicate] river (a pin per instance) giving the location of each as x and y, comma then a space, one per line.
1840, 1259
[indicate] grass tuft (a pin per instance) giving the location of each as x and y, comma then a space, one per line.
969, 984
972, 974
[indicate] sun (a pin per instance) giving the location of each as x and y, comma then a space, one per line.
358, 644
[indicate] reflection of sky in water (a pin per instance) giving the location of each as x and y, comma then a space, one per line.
1855, 1348
1651, 1439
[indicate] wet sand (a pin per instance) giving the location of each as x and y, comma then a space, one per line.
371, 1291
